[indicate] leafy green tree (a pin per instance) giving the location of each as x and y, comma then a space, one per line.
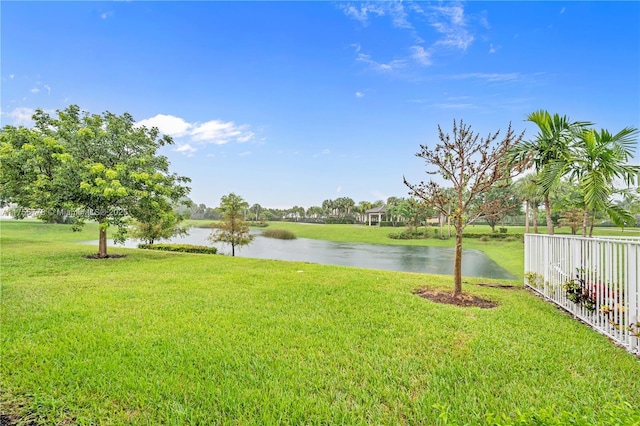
100, 167
159, 225
314, 212
473, 167
572, 218
548, 152
598, 159
233, 230
256, 210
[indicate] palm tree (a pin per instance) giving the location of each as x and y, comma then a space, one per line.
549, 152
528, 191
598, 159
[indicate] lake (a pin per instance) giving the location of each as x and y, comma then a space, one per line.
422, 259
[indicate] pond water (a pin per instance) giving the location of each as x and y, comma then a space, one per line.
423, 259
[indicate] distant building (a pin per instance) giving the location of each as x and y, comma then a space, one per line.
374, 215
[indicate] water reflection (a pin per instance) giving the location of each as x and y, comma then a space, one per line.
423, 259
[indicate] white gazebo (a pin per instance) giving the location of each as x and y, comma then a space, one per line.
376, 214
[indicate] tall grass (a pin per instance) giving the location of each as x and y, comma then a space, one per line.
173, 338
281, 234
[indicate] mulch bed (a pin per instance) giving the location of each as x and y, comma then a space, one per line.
464, 300
507, 286
109, 256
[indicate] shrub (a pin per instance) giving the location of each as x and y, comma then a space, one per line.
409, 235
485, 238
340, 220
281, 234
260, 224
182, 248
495, 236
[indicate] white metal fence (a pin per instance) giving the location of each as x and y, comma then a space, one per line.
596, 279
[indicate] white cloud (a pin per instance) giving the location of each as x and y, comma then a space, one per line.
11, 76
35, 90
563, 10
389, 66
46, 86
492, 48
167, 124
450, 21
21, 116
245, 153
394, 9
359, 94
421, 56
185, 148
217, 132
339, 189
362, 13
220, 132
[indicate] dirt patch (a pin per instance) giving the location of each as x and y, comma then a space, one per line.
7, 420
109, 256
493, 285
446, 297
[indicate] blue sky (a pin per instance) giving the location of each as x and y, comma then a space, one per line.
292, 103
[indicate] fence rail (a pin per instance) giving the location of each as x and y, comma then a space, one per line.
596, 279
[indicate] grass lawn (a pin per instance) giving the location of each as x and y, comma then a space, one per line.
173, 338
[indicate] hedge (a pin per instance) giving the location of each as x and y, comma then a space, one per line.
182, 248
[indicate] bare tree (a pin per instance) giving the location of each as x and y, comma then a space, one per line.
473, 167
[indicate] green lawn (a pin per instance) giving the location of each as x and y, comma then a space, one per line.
172, 338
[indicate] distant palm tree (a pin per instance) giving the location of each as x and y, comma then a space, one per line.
528, 191
598, 159
549, 152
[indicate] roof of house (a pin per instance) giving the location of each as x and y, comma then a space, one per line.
380, 209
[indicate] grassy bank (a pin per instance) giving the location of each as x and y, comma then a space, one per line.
172, 338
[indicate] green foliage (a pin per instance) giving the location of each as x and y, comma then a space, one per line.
340, 220
100, 167
182, 248
161, 225
261, 224
281, 234
494, 236
413, 234
233, 229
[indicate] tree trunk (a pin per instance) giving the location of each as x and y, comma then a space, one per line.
585, 221
526, 216
233, 249
535, 218
102, 244
457, 262
547, 210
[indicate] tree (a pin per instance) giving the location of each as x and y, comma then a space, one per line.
255, 210
548, 152
473, 167
233, 230
597, 160
158, 226
527, 190
99, 167
497, 203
